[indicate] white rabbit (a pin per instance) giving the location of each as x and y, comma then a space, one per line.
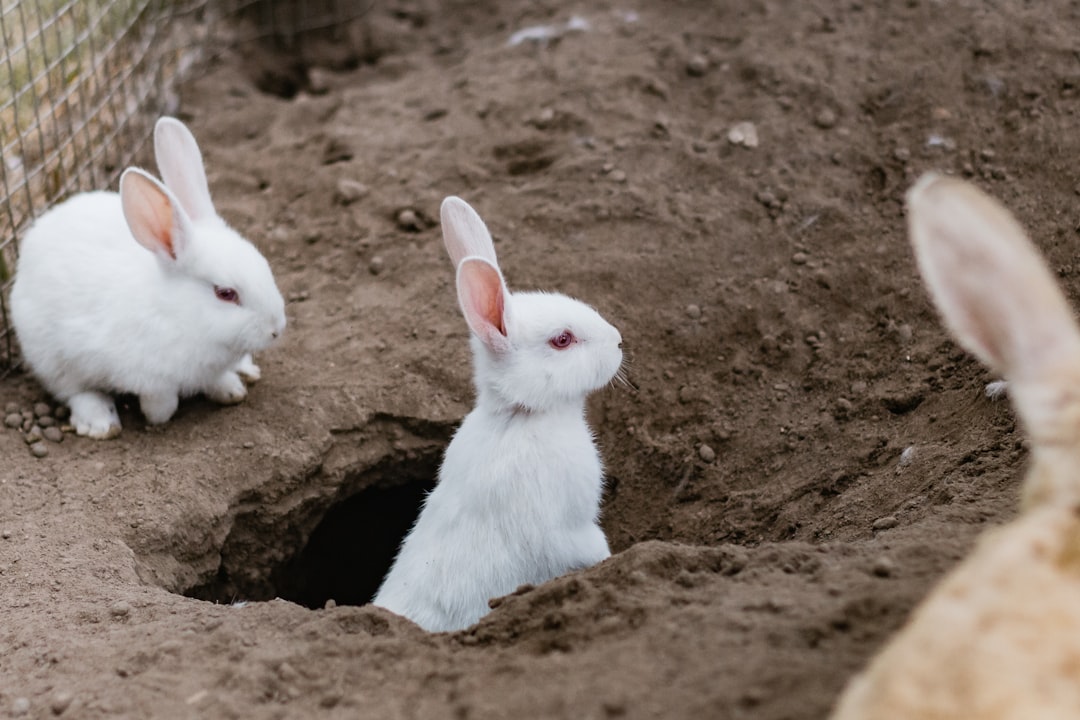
518, 496
147, 292
1000, 636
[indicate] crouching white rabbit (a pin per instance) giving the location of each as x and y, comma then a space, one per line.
145, 291
518, 496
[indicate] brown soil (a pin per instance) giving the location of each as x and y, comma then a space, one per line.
751, 586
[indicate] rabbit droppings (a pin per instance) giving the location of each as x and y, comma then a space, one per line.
1000, 636
518, 496
145, 291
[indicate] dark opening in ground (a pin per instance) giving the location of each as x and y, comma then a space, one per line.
324, 549
351, 550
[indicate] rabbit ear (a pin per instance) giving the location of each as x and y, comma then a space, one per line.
482, 295
464, 233
994, 291
153, 214
181, 166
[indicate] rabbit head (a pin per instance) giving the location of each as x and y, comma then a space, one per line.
219, 274
533, 351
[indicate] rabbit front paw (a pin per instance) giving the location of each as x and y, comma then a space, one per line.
229, 389
94, 415
247, 369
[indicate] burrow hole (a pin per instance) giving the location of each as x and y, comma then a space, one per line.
336, 548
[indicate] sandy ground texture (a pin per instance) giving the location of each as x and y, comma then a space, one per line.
805, 452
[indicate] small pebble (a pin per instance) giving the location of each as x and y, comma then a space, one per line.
349, 191
376, 265
330, 604
408, 220
62, 412
61, 701
6, 534
13, 420
693, 312
825, 119
706, 453
883, 567
907, 455
120, 609
39, 450
53, 434
248, 445
744, 133
20, 706
688, 394
884, 523
318, 81
41, 409
11, 407
800, 258
46, 421
34, 435
697, 65
618, 176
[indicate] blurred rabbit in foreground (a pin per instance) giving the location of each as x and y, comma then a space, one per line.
1000, 636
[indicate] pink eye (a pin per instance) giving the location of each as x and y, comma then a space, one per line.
562, 341
226, 294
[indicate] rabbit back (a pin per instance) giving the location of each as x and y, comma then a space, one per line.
64, 260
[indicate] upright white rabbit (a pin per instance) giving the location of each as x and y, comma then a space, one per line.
518, 496
147, 292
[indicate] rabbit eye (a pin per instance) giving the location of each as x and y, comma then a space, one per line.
227, 294
562, 341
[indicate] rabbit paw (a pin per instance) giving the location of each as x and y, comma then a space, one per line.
158, 408
94, 415
247, 369
228, 390
997, 389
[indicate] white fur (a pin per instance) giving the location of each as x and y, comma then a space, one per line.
98, 311
518, 497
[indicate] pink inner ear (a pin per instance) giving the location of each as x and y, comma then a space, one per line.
149, 214
482, 296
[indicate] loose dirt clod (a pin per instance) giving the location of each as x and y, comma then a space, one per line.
884, 523
349, 191
60, 702
697, 65
744, 133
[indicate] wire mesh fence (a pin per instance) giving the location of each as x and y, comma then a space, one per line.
83, 81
